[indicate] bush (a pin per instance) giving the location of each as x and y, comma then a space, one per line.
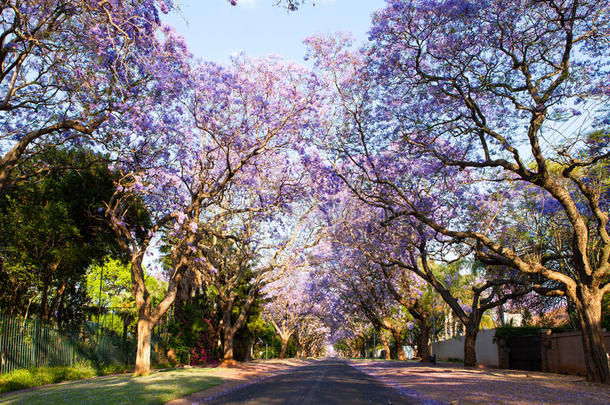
510, 331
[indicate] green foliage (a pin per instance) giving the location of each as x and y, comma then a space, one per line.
190, 335
116, 283
341, 346
52, 231
507, 332
487, 322
264, 336
116, 290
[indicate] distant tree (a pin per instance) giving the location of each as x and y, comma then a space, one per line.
288, 305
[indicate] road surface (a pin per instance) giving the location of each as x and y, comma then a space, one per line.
325, 382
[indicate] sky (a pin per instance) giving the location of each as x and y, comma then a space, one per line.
214, 30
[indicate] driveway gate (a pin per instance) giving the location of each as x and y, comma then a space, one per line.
525, 352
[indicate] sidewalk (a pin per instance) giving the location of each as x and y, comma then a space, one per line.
242, 375
453, 384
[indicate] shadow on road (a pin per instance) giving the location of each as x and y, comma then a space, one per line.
326, 382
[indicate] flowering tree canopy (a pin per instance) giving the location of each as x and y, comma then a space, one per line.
455, 103
67, 67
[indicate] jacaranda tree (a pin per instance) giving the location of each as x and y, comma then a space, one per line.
474, 96
206, 161
455, 102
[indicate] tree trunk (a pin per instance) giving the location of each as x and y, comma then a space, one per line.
228, 334
249, 350
423, 341
386, 347
595, 353
283, 349
143, 354
400, 352
227, 353
147, 319
470, 354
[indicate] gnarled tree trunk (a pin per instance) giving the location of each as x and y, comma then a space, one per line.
470, 354
227, 351
424, 338
595, 352
470, 339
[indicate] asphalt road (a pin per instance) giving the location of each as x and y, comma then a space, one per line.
325, 382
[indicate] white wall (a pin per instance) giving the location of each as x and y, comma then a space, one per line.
486, 349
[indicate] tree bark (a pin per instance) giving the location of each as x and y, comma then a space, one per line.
423, 341
283, 349
227, 353
143, 354
471, 328
12, 158
386, 346
147, 317
250, 350
595, 353
228, 335
400, 352
470, 354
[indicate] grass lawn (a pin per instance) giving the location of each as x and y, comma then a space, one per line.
157, 388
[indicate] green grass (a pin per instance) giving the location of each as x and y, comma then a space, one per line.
157, 388
35, 377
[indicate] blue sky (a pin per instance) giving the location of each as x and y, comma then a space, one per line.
214, 29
